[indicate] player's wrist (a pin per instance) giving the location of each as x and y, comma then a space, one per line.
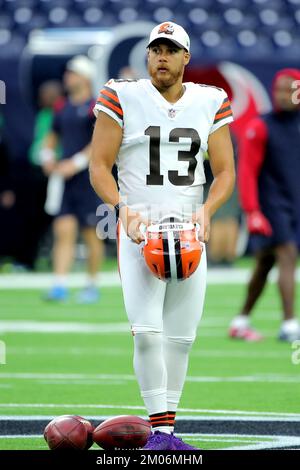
46, 155
80, 161
119, 206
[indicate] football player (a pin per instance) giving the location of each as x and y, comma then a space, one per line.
270, 196
157, 130
70, 196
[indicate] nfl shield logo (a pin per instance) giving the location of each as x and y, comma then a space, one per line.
171, 112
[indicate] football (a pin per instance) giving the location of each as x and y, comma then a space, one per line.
90, 429
69, 432
122, 432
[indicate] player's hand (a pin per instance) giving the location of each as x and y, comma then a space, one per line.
258, 223
66, 168
132, 224
48, 167
202, 217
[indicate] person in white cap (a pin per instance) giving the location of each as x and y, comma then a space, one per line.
158, 131
70, 198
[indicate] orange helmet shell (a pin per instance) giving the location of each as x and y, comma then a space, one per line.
172, 250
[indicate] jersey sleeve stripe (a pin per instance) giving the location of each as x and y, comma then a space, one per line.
225, 103
108, 92
107, 102
222, 111
112, 101
111, 90
221, 116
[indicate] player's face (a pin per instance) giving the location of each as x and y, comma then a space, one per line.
283, 94
73, 81
48, 94
166, 63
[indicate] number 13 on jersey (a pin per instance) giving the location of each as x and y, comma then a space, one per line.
154, 177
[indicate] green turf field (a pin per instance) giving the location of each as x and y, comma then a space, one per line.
78, 360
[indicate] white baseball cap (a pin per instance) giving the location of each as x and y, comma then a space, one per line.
82, 65
173, 32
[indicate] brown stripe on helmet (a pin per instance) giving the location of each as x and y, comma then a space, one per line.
166, 258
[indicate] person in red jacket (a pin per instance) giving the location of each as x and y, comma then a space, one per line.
268, 181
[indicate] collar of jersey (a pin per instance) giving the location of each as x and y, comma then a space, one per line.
159, 97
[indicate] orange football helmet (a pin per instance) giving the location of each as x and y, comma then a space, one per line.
172, 250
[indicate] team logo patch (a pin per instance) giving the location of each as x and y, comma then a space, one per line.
166, 28
171, 113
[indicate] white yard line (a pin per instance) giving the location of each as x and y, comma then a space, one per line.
21, 436
62, 376
243, 354
32, 350
204, 414
142, 414
24, 326
44, 280
111, 279
249, 440
270, 442
236, 437
66, 377
56, 327
279, 442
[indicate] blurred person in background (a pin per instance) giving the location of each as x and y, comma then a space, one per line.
269, 169
224, 227
70, 196
224, 234
7, 197
50, 94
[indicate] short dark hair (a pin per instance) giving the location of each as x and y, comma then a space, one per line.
158, 41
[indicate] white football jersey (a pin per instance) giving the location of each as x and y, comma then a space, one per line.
160, 163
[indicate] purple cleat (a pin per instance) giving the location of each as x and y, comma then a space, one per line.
159, 441
178, 444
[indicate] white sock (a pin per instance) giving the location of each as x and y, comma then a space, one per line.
91, 281
290, 325
150, 370
176, 352
155, 400
173, 397
240, 321
165, 429
60, 280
